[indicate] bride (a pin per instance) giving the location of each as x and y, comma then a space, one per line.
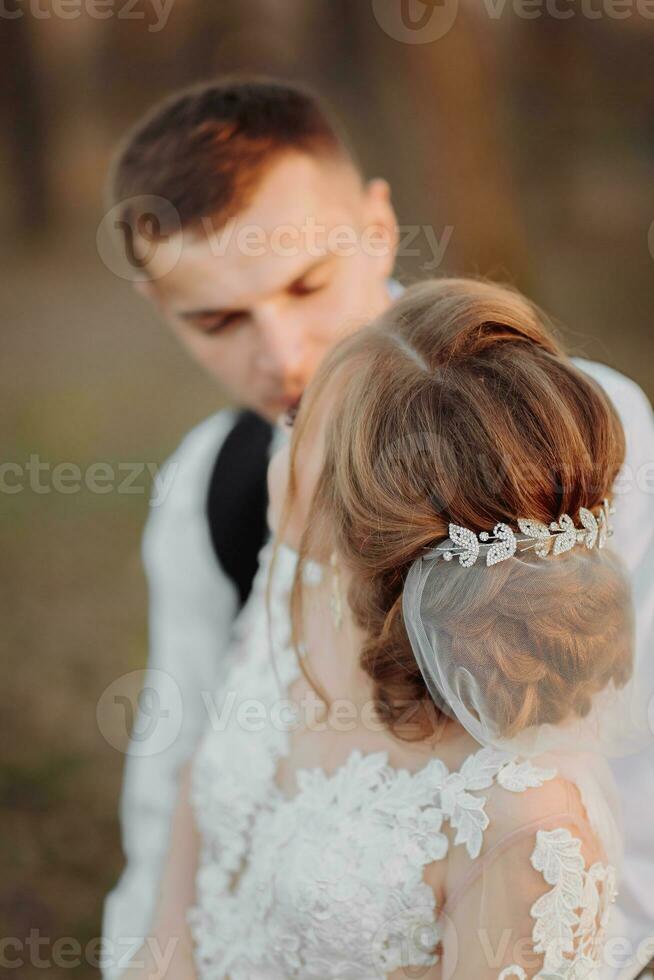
405, 776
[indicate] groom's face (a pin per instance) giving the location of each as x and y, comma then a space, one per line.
259, 301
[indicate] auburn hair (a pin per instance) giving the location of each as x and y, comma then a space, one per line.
205, 150
460, 405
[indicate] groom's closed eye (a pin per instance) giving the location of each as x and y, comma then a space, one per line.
312, 280
302, 288
212, 323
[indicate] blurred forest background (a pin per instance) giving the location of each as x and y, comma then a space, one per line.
532, 138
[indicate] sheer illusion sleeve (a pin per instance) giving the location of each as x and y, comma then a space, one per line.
535, 904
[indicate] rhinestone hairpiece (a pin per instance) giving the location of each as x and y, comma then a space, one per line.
545, 540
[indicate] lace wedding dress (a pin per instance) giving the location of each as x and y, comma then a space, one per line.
331, 882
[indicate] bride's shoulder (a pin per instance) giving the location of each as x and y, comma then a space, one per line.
518, 786
542, 878
516, 796
536, 815
552, 803
530, 791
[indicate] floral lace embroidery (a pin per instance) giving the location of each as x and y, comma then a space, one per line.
344, 859
571, 919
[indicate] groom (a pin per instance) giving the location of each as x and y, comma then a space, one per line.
261, 245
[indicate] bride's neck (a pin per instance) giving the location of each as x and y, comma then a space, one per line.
333, 645
333, 654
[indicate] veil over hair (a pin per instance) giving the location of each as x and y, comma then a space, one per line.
532, 654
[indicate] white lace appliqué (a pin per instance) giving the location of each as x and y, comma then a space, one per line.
571, 919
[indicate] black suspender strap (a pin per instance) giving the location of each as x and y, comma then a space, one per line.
238, 499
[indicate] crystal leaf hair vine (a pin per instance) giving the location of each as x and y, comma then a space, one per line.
544, 540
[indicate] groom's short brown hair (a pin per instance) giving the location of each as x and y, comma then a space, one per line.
205, 150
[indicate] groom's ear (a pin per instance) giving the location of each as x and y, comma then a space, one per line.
380, 215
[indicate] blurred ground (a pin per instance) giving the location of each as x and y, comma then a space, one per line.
91, 378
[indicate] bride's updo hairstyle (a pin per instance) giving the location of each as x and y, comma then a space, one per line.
459, 406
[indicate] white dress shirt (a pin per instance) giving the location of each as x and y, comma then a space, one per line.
192, 607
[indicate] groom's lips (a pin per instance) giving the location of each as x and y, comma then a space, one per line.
292, 409
286, 409
291, 401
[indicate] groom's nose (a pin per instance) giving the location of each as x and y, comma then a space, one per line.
281, 346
